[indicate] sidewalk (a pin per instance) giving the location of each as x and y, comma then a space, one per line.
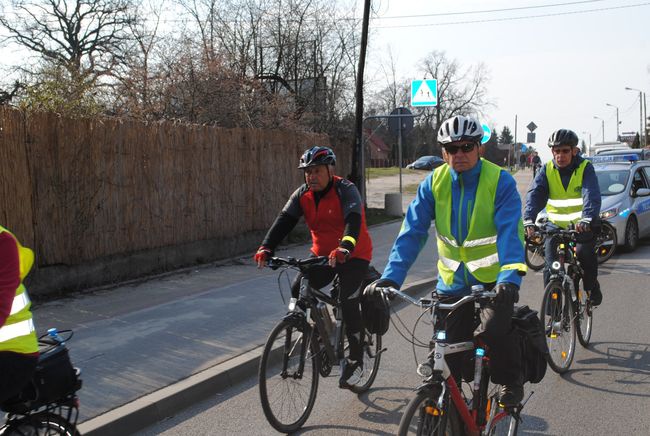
149, 349
152, 348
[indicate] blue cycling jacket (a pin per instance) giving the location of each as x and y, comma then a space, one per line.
415, 229
537, 195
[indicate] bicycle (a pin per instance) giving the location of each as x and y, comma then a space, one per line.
566, 308
307, 344
440, 406
605, 247
48, 405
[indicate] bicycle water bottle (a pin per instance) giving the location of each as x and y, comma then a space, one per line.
53, 333
478, 368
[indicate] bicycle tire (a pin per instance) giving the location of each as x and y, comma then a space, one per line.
371, 360
419, 417
535, 256
295, 409
506, 426
559, 327
606, 243
584, 317
42, 423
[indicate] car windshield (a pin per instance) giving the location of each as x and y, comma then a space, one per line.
612, 182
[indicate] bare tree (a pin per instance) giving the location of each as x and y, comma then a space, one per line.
460, 91
80, 41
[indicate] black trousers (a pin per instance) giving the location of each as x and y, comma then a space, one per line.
586, 251
351, 275
16, 371
494, 328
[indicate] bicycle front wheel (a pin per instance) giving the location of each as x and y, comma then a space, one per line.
606, 243
535, 256
288, 376
423, 417
371, 359
584, 316
557, 315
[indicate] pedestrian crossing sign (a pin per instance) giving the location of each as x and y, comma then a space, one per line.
424, 92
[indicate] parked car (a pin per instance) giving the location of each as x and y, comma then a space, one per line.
624, 182
642, 153
426, 163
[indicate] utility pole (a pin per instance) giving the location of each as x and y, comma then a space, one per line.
617, 122
357, 151
642, 138
603, 126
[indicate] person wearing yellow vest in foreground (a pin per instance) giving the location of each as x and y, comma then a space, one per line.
568, 188
18, 342
477, 213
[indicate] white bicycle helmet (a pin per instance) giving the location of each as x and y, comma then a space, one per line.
460, 128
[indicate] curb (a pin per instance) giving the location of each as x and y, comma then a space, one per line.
166, 402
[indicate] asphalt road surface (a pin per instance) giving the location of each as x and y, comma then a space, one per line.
606, 392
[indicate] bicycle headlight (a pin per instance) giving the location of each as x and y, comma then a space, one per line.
611, 213
425, 369
556, 265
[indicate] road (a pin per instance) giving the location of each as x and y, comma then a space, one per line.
606, 392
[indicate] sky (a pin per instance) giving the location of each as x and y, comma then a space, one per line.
556, 63
559, 69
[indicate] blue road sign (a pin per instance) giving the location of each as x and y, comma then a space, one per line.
487, 134
424, 92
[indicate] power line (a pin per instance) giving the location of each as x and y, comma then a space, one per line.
443, 14
514, 18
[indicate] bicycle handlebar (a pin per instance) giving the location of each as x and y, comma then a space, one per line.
277, 262
427, 303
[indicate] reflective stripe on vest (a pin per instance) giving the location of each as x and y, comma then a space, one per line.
16, 330
20, 302
564, 206
479, 251
18, 334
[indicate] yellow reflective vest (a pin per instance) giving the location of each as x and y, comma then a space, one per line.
479, 250
18, 333
564, 206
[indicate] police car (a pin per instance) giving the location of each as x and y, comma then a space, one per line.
624, 183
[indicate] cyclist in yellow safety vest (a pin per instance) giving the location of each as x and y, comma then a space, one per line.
477, 213
568, 187
18, 342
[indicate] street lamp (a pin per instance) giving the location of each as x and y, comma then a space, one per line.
642, 139
617, 122
603, 126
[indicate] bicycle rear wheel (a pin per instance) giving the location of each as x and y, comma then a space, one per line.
507, 426
41, 424
559, 327
371, 359
535, 256
288, 376
584, 316
423, 417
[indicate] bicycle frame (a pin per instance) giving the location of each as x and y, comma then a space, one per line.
440, 374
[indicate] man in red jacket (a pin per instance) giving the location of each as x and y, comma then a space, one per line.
18, 343
334, 213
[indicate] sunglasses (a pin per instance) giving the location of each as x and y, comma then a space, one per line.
465, 148
561, 151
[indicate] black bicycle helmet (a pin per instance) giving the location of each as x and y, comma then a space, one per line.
460, 128
317, 156
563, 137
375, 310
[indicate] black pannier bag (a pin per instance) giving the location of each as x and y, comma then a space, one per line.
533, 343
54, 379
